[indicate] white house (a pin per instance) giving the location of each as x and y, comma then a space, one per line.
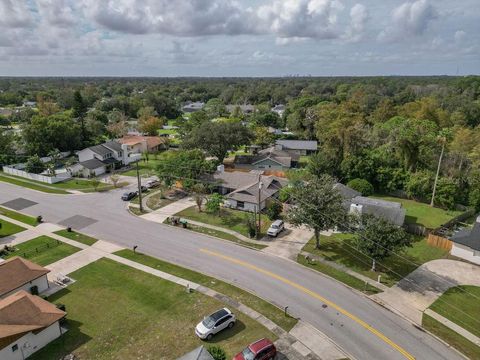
27, 324
99, 159
19, 274
138, 144
466, 243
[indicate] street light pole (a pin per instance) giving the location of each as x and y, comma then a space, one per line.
139, 188
260, 184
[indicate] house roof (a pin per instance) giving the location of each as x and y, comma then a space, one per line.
113, 145
16, 272
152, 141
346, 192
282, 157
199, 353
469, 237
298, 144
249, 193
232, 179
92, 164
22, 312
100, 150
388, 210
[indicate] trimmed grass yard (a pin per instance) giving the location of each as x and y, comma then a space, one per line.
463, 345
145, 167
116, 312
456, 303
228, 219
270, 311
31, 184
85, 185
8, 229
29, 220
43, 250
422, 214
82, 238
156, 201
340, 248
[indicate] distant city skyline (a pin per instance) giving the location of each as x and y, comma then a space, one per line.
164, 38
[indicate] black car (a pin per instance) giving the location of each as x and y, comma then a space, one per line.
129, 195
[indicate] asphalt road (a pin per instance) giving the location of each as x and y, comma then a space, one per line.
362, 328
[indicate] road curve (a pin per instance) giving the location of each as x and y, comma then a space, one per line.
362, 328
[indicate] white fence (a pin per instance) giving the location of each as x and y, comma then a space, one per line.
37, 177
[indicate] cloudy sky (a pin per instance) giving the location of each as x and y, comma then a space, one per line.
239, 37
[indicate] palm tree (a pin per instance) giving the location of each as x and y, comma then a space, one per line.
443, 138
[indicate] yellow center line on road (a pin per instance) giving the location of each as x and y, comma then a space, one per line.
316, 296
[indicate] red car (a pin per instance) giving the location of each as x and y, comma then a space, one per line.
259, 350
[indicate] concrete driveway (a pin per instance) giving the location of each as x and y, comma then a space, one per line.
290, 242
163, 213
417, 291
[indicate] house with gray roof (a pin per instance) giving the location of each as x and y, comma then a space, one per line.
245, 190
193, 107
301, 147
272, 158
199, 353
355, 203
466, 243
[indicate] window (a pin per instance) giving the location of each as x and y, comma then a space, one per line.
221, 321
14, 348
240, 204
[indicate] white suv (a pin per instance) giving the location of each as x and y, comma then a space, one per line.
214, 323
276, 228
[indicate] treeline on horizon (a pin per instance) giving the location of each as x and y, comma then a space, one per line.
389, 131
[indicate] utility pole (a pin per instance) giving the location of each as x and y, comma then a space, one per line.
260, 184
139, 188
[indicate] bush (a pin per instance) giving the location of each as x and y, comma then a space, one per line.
213, 203
217, 352
274, 210
474, 199
34, 165
420, 185
362, 186
446, 193
251, 225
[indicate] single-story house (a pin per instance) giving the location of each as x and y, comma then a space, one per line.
27, 324
272, 158
279, 109
301, 147
356, 204
17, 274
466, 243
199, 353
193, 107
241, 189
138, 144
99, 159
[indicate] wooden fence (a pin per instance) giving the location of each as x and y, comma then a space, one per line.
439, 242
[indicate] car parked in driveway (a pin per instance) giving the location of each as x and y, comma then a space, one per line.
276, 228
262, 349
214, 323
152, 184
129, 195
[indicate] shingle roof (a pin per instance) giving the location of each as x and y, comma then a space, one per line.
298, 144
16, 272
469, 237
113, 145
92, 164
22, 312
249, 193
345, 191
199, 353
283, 157
388, 210
100, 150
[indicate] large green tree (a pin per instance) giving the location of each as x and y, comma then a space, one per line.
217, 138
317, 205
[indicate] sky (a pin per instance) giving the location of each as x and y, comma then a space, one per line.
239, 37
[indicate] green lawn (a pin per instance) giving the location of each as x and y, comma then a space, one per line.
145, 167
422, 214
82, 238
341, 249
117, 312
29, 220
43, 250
228, 219
224, 235
339, 275
460, 343
8, 229
456, 303
156, 201
270, 311
31, 185
167, 132
84, 185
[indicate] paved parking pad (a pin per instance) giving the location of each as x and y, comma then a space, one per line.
77, 222
19, 204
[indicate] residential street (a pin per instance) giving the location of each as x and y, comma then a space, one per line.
359, 326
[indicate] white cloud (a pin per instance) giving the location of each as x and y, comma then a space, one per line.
460, 36
410, 19
56, 12
15, 14
358, 20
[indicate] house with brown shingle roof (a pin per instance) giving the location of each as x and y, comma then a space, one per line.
141, 144
17, 274
27, 324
